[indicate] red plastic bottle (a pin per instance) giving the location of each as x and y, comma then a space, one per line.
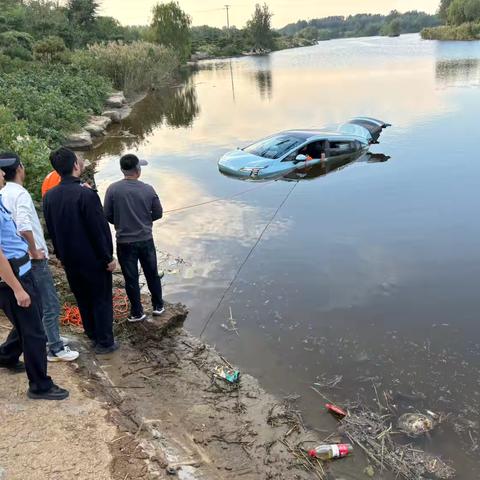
330, 452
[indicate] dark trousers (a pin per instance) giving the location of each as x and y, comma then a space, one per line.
27, 335
93, 292
129, 254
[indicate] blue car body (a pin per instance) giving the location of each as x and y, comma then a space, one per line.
285, 152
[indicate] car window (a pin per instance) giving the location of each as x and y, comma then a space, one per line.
274, 147
341, 148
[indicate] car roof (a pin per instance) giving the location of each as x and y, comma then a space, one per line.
310, 134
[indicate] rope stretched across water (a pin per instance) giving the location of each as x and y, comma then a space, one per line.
259, 239
216, 200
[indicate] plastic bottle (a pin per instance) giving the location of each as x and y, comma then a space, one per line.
330, 452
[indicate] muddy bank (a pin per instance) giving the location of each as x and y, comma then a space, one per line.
166, 401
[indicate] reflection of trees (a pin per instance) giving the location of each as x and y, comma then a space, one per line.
263, 76
458, 71
171, 107
264, 83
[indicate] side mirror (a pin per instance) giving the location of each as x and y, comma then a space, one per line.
301, 158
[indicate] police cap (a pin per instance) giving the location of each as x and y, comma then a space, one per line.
9, 160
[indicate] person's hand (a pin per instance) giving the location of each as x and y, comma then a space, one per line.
23, 298
38, 255
112, 266
86, 185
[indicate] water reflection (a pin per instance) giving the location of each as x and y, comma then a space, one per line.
263, 77
459, 71
331, 166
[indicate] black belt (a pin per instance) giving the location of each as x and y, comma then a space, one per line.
17, 263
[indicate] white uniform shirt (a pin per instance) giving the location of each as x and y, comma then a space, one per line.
20, 204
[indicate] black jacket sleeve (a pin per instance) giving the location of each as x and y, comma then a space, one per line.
96, 225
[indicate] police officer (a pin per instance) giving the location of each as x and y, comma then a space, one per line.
21, 304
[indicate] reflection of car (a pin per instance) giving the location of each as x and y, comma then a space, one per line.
334, 165
285, 152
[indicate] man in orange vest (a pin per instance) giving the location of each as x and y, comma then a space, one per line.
53, 179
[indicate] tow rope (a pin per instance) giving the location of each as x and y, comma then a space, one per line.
259, 239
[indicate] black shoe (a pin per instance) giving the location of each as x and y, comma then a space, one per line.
18, 367
54, 393
99, 350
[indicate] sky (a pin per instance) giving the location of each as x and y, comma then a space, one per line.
212, 12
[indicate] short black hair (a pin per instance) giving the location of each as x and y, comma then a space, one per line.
63, 160
129, 162
11, 170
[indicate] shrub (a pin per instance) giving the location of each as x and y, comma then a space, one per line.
32, 150
133, 68
53, 101
16, 45
466, 31
50, 49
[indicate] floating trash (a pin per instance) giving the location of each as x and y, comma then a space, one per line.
339, 412
415, 424
331, 452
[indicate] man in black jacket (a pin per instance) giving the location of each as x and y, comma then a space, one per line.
83, 243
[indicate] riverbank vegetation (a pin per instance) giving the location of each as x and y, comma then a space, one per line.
361, 25
462, 18
58, 64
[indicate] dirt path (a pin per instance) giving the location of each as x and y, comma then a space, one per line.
43, 440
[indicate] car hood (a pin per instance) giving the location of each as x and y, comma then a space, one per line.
239, 159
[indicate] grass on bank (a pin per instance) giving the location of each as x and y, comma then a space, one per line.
465, 31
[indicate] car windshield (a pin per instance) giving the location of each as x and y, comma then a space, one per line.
274, 147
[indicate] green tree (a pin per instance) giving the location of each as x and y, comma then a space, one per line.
260, 27
82, 13
443, 9
392, 29
171, 27
456, 12
471, 10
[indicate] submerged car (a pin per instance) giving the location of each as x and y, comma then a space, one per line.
283, 153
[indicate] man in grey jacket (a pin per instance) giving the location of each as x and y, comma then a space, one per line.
132, 206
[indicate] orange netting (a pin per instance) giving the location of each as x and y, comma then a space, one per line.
71, 313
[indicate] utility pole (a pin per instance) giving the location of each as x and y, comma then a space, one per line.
227, 7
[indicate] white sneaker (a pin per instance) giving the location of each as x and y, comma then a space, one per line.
141, 318
65, 341
65, 355
157, 312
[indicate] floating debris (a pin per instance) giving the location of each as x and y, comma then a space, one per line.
415, 424
373, 433
331, 452
339, 412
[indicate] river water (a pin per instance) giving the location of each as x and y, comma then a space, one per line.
369, 273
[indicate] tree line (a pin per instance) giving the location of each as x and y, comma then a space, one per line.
461, 19
362, 25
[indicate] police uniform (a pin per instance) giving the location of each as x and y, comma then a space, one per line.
27, 335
